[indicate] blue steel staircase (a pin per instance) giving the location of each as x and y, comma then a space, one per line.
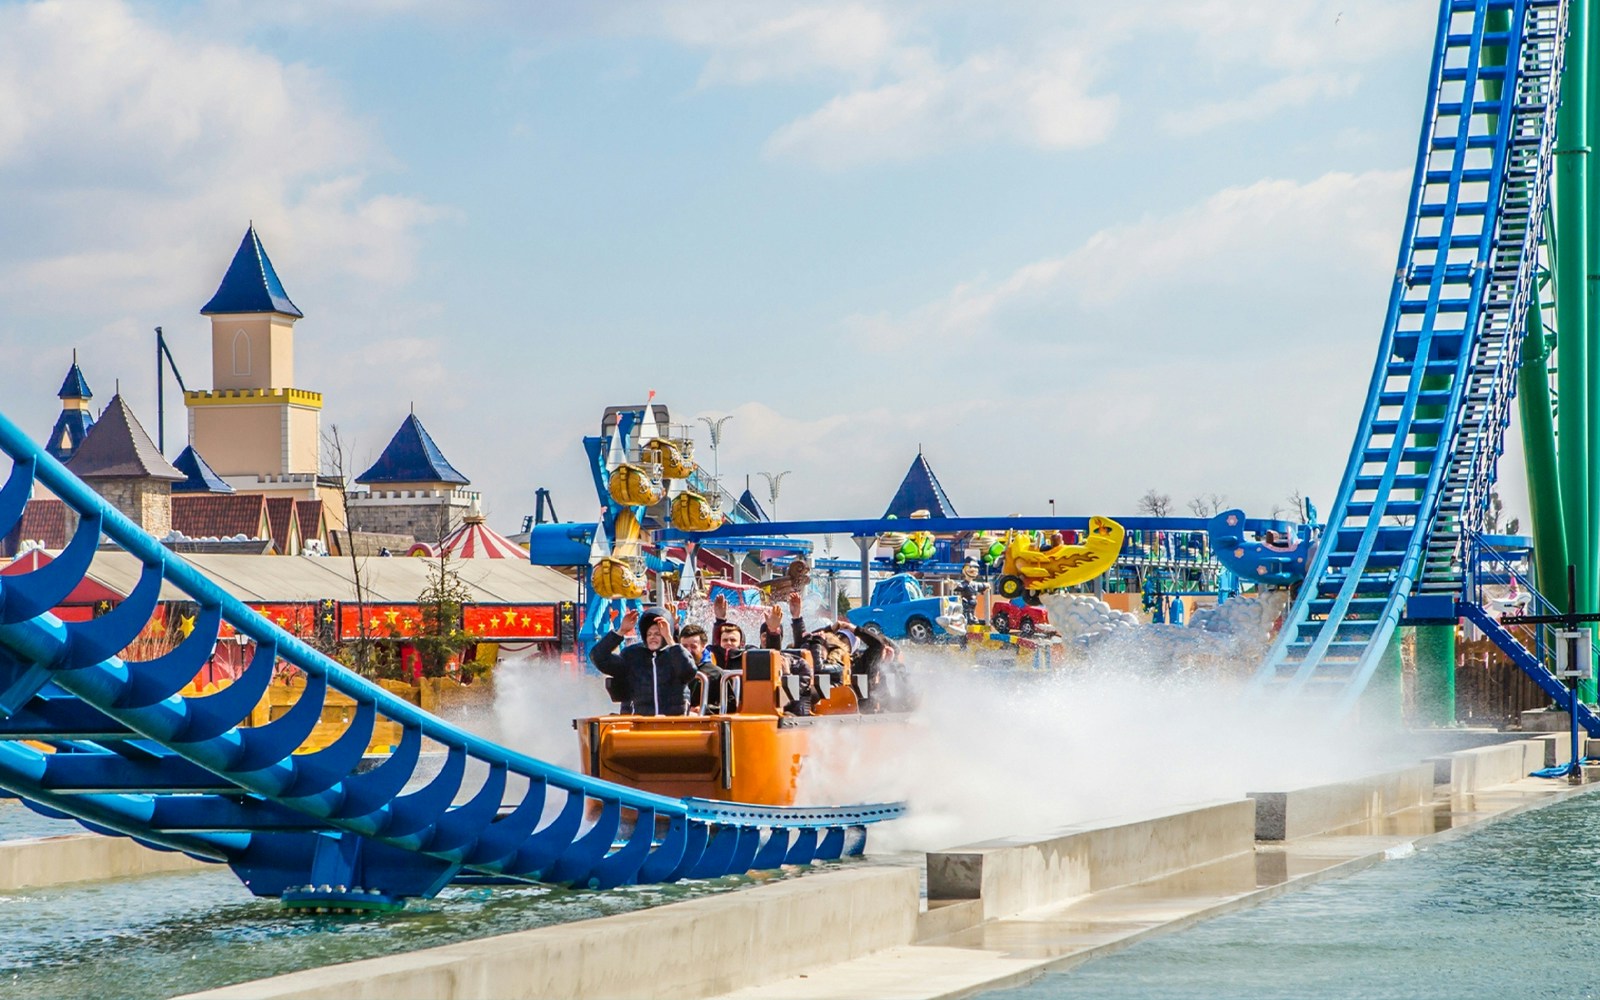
1423, 461
128, 754
1545, 636
1529, 664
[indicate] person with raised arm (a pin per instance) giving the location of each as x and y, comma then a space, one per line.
654, 673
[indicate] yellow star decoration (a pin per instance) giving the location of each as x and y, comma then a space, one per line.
158, 628
374, 622
185, 625
526, 621
282, 620
392, 616
511, 617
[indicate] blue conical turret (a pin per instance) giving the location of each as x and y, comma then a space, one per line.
72, 426
251, 285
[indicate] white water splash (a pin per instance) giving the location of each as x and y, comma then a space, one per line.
987, 755
535, 701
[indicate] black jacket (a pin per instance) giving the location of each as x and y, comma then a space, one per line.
653, 681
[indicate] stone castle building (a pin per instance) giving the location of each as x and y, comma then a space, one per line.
123, 465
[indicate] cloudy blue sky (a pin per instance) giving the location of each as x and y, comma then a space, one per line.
1074, 250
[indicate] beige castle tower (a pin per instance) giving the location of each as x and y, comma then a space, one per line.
257, 430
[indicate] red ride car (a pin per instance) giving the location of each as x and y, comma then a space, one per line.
1026, 620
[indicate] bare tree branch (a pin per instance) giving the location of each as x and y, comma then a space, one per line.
335, 460
1209, 505
1155, 504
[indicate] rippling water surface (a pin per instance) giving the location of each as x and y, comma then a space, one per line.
1506, 911
170, 934
17, 822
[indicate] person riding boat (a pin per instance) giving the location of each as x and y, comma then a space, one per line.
693, 639
726, 637
655, 672
876, 657
772, 628
730, 642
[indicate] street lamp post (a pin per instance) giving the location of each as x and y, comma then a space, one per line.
714, 425
774, 487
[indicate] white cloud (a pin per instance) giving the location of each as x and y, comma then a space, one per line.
1296, 36
136, 154
1223, 347
1294, 91
900, 100
904, 99
986, 97
1275, 256
751, 43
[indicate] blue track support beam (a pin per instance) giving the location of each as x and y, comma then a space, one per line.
769, 532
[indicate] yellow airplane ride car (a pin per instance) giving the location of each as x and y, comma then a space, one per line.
1029, 569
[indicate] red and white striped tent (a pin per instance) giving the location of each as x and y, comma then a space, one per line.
476, 540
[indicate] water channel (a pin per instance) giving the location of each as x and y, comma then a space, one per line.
1504, 911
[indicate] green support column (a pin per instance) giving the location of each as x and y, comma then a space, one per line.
1435, 644
1587, 558
1436, 675
1578, 462
1539, 459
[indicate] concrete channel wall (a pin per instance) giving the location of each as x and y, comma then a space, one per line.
698, 948
1009, 876
1304, 812
1485, 767
83, 857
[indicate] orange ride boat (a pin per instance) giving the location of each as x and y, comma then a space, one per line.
754, 753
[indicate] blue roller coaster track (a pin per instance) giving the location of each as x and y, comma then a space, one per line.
114, 745
1424, 459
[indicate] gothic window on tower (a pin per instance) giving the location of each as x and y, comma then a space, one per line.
241, 353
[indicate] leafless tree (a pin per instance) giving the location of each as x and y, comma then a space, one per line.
1297, 506
1155, 504
1209, 505
335, 462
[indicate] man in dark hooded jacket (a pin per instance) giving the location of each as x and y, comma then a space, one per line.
654, 671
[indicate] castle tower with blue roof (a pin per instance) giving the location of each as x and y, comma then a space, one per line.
412, 489
920, 490
260, 432
72, 426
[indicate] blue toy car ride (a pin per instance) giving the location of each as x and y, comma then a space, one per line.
900, 609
